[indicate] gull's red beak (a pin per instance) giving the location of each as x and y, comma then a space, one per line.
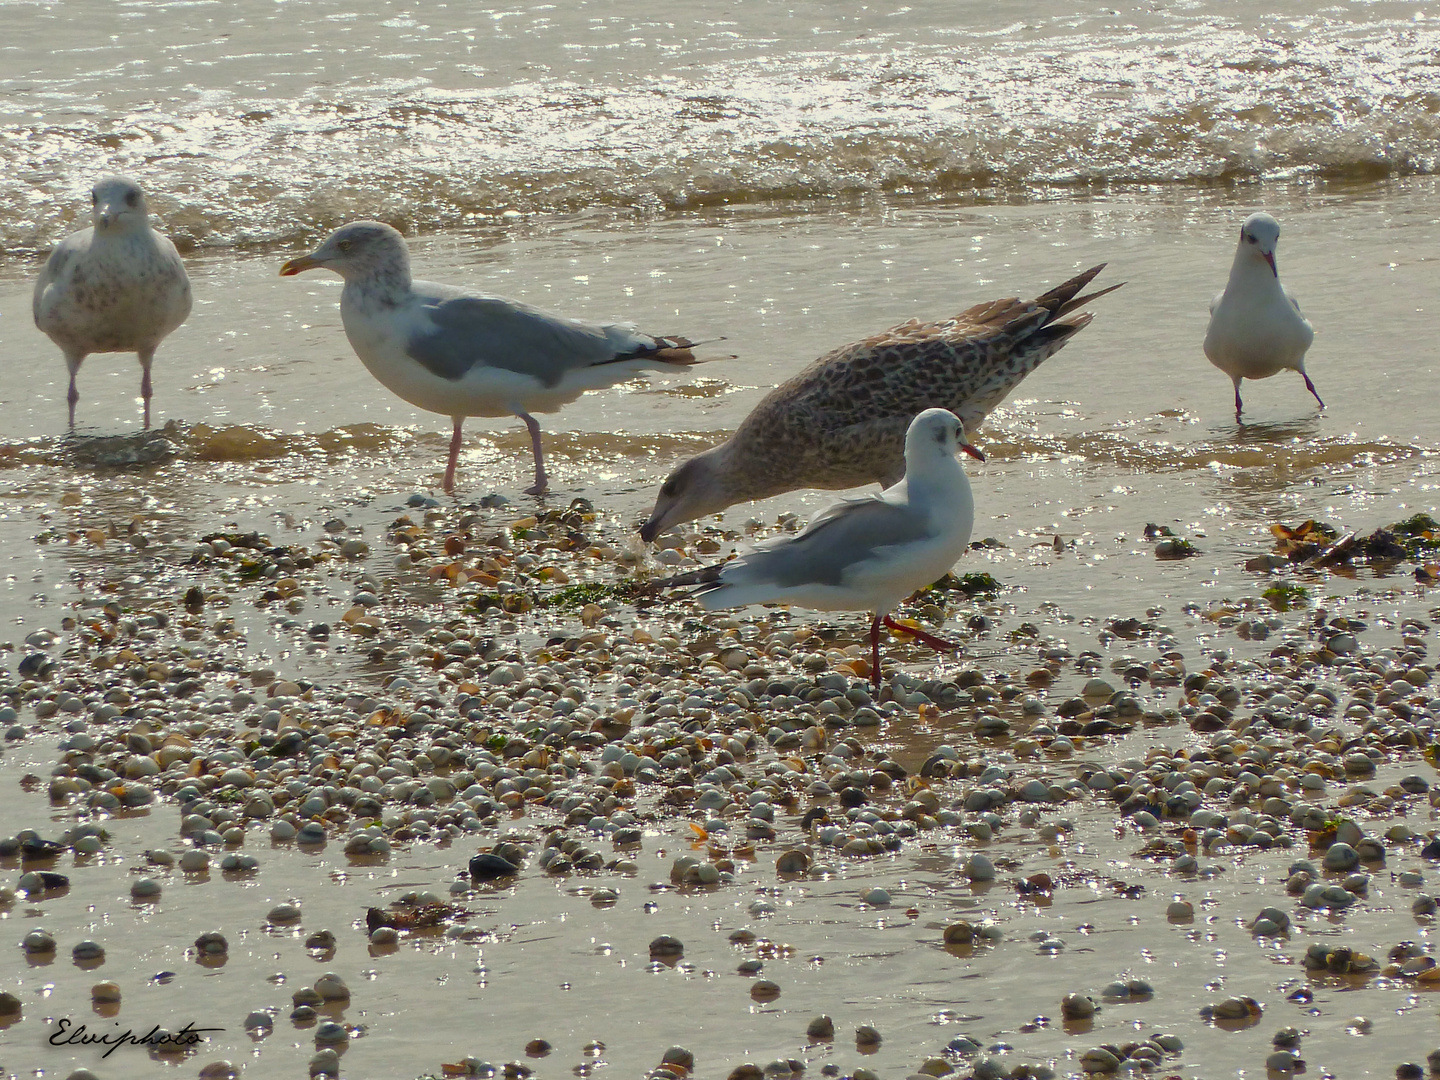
976, 454
1270, 258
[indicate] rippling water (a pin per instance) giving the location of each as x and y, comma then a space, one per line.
259, 122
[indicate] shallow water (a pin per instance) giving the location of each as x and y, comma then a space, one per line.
1126, 426
787, 177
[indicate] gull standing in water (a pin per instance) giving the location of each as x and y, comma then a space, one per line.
1256, 328
869, 553
461, 353
842, 421
117, 286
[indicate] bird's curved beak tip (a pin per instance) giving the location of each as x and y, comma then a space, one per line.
649, 530
972, 451
295, 266
1270, 258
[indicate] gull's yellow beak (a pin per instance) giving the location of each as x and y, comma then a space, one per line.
296, 266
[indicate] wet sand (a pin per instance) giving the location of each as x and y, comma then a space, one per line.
277, 429
541, 959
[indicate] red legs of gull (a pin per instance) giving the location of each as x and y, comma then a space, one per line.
1308, 386
875, 652
542, 483
448, 484
938, 644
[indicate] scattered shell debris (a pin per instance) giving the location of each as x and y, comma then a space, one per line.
523, 735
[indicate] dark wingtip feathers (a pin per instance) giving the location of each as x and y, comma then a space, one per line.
675, 350
1081, 301
1064, 298
706, 575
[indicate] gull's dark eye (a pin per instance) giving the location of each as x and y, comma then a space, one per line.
1249, 239
132, 198
344, 245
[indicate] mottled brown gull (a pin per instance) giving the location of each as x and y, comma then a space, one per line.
461, 353
118, 286
1256, 329
841, 422
869, 553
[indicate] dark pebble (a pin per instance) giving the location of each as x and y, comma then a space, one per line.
487, 867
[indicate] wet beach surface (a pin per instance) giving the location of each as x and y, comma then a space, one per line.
260, 677
647, 768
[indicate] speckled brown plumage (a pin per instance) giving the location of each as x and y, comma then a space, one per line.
118, 286
841, 422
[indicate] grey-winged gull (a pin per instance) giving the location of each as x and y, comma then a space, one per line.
461, 353
868, 553
841, 422
1256, 328
118, 286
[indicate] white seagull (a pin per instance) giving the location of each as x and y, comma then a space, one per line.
1256, 328
118, 286
867, 553
460, 353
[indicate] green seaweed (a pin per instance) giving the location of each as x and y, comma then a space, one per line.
1177, 548
1286, 595
1418, 535
974, 584
591, 592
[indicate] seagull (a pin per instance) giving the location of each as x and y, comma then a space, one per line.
842, 421
1256, 328
461, 353
866, 553
117, 286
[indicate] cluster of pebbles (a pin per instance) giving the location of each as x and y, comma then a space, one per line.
520, 693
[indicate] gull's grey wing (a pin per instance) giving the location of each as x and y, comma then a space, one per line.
484, 330
844, 535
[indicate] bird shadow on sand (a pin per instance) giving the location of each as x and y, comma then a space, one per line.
132, 450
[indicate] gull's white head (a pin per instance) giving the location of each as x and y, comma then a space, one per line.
117, 203
360, 250
698, 487
1259, 236
936, 433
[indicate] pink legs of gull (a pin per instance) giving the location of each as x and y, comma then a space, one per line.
542, 482
448, 484
72, 396
145, 357
938, 644
540, 486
